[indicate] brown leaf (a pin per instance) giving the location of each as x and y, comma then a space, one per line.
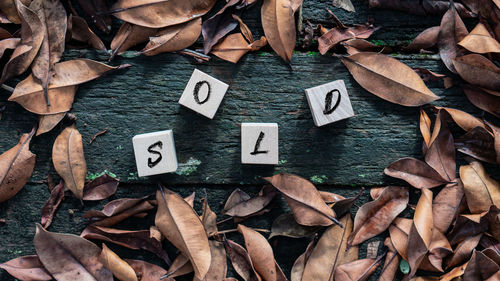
467, 226
338, 34
417, 173
160, 13
479, 40
354, 46
118, 210
304, 200
481, 191
422, 8
81, 32
77, 256
278, 22
16, 167
438, 250
132, 239
246, 206
399, 231
478, 143
54, 24
180, 266
68, 74
464, 250
69, 160
484, 99
234, 46
425, 40
359, 270
425, 128
260, 253
376, 216
446, 205
120, 268
52, 204
300, 263
285, 225
452, 31
420, 235
463, 119
32, 35
391, 263
344, 4
441, 153
496, 143
478, 70
220, 24
100, 188
389, 79
173, 38
454, 273
330, 252
180, 224
47, 122
241, 261
130, 35
9, 43
97, 9
8, 7
147, 271
26, 268
480, 267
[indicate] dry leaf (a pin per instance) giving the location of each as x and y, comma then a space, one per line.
260, 252
26, 268
8, 44
338, 34
278, 22
480, 267
118, 210
69, 160
47, 122
8, 7
389, 79
399, 231
479, 40
452, 31
454, 273
441, 152
481, 191
446, 205
97, 9
241, 261
285, 225
417, 173
391, 263
354, 46
120, 268
234, 46
344, 4
438, 250
484, 99
464, 250
478, 70
375, 217
52, 204
300, 263
240, 205
160, 13
180, 224
100, 188
359, 270
147, 271
425, 128
130, 35
330, 252
81, 32
425, 40
16, 167
463, 119
478, 143
304, 200
77, 256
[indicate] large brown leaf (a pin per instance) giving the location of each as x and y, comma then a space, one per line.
173, 38
479, 40
375, 217
420, 235
389, 79
260, 253
77, 256
160, 13
481, 191
180, 224
54, 25
338, 34
441, 152
478, 70
452, 31
16, 167
26, 268
241, 261
69, 160
100, 188
278, 22
120, 268
47, 122
234, 46
417, 173
425, 40
304, 200
463, 119
62, 86
446, 205
330, 252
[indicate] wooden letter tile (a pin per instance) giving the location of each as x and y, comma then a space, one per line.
329, 103
203, 94
155, 153
259, 143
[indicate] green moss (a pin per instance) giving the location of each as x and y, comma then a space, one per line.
379, 42
281, 162
91, 177
319, 179
132, 176
310, 53
186, 169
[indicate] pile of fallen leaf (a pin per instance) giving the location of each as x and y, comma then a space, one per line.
453, 233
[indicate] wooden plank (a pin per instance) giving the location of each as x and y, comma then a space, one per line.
144, 98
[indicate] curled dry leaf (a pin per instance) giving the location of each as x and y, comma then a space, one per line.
16, 167
234, 46
32, 35
420, 235
47, 122
338, 34
285, 225
147, 271
241, 261
481, 191
173, 38
446, 205
180, 224
438, 250
479, 40
463, 119
399, 231
160, 13
425, 128
100, 188
132, 239
359, 270
478, 143
118, 210
278, 22
120, 268
81, 32
300, 263
304, 200
78, 256
484, 99
180, 266
8, 7
130, 35
260, 253
354, 46
69, 160
464, 250
467, 226
441, 153
478, 70
52, 204
241, 205
391, 263
452, 30
417, 173
389, 79
26, 268
375, 217
330, 252
454, 273
425, 40
220, 24
10, 43
62, 86
480, 267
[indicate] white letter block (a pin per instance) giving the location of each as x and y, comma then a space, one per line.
155, 153
203, 94
329, 103
259, 143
